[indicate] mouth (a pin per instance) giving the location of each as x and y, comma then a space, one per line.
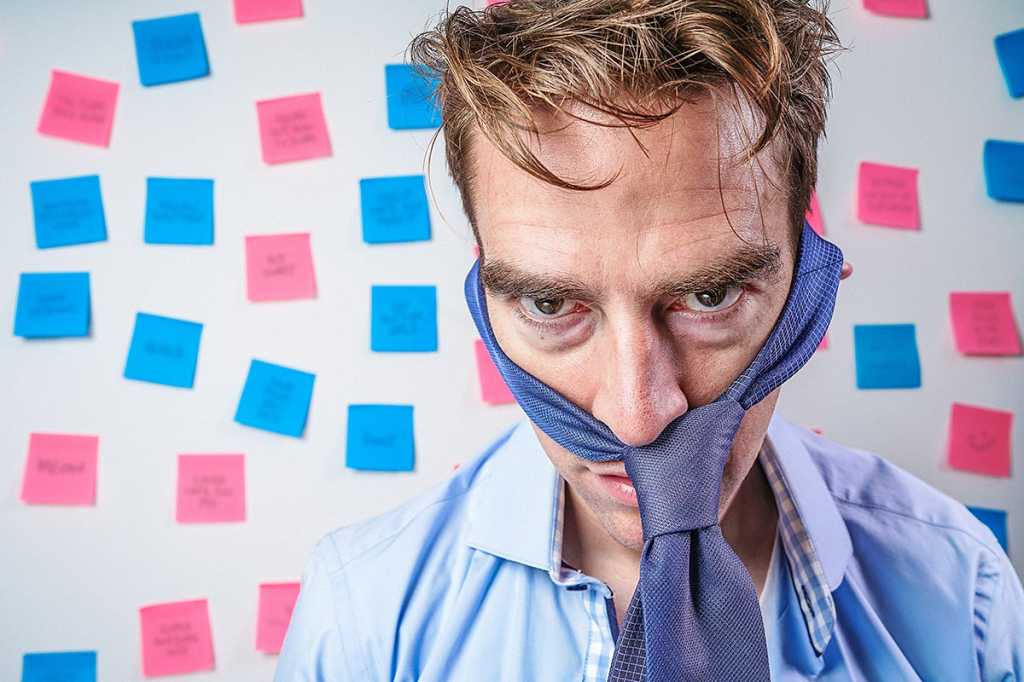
619, 488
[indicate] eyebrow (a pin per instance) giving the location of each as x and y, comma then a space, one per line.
743, 264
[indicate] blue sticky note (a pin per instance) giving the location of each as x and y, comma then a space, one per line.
379, 438
275, 398
394, 209
59, 666
179, 211
52, 304
410, 98
1010, 52
164, 350
995, 519
68, 211
170, 49
403, 318
1004, 170
886, 356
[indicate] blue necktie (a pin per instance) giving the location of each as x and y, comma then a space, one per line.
694, 615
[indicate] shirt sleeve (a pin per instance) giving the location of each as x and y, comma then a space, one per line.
313, 650
999, 621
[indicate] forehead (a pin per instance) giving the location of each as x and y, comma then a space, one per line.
682, 183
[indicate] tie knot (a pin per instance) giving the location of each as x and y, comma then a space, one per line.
678, 477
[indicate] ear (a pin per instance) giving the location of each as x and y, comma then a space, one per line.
846, 271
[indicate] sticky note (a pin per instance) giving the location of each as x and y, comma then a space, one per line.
394, 209
1010, 53
170, 49
179, 211
277, 601
983, 323
275, 398
1004, 170
249, 11
68, 211
52, 304
995, 519
293, 128
410, 97
403, 318
211, 488
823, 344
910, 9
176, 638
887, 195
59, 666
886, 356
279, 267
814, 217
379, 438
61, 469
79, 108
163, 350
493, 388
979, 440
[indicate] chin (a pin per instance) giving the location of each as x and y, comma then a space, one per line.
624, 525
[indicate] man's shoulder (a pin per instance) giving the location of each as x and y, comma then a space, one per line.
876, 495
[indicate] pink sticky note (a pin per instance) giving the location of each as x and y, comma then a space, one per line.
275, 612
823, 344
61, 469
887, 195
249, 11
492, 385
176, 638
211, 488
279, 267
912, 9
814, 217
818, 430
983, 323
79, 108
979, 440
293, 128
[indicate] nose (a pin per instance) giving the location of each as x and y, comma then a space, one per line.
639, 393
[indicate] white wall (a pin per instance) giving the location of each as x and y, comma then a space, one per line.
916, 93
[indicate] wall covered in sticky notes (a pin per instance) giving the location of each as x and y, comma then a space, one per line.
234, 293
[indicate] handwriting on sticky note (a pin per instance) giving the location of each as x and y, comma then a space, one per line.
60, 469
394, 209
52, 304
170, 49
79, 108
886, 356
492, 385
814, 217
909, 9
410, 98
59, 666
979, 440
380, 438
279, 267
887, 195
68, 211
164, 350
293, 128
179, 211
211, 488
403, 318
275, 398
983, 323
176, 638
277, 601
250, 11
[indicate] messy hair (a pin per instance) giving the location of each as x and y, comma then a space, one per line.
636, 61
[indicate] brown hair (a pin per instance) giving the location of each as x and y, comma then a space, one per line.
495, 66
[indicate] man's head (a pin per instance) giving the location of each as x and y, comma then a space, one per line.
636, 173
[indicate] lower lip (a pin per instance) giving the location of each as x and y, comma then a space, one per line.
620, 488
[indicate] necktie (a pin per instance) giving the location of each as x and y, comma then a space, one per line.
695, 613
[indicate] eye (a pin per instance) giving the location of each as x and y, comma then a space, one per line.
546, 308
713, 300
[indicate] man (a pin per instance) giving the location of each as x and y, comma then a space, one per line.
636, 174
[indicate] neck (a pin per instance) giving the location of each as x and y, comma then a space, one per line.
748, 523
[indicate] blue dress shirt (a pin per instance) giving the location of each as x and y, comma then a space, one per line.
885, 578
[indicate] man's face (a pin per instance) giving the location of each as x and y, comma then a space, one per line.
637, 301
